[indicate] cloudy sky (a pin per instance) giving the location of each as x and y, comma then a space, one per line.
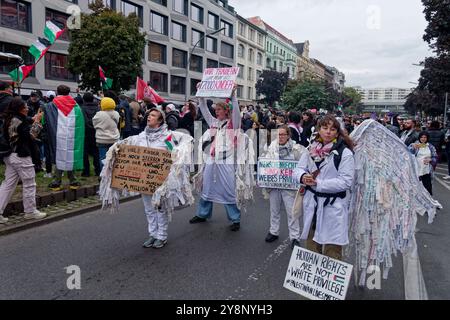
374, 42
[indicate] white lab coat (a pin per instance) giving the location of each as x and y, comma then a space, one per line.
333, 220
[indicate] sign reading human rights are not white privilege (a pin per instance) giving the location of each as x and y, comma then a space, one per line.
316, 276
277, 174
217, 82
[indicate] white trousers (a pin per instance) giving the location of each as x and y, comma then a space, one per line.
158, 221
288, 197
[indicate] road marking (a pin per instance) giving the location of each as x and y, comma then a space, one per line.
443, 183
258, 272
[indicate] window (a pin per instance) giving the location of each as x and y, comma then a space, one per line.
212, 63
241, 51
250, 93
196, 63
59, 17
128, 8
161, 2
241, 71
178, 32
211, 44
228, 29
177, 85
157, 53
250, 74
223, 65
15, 15
251, 55
180, 6
55, 67
158, 23
260, 39
158, 81
241, 29
258, 74
252, 35
196, 37
194, 83
108, 3
227, 50
213, 21
240, 91
259, 59
196, 13
179, 58
20, 51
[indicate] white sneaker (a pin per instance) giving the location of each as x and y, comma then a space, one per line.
446, 177
48, 175
3, 219
35, 215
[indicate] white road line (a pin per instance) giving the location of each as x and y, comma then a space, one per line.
443, 183
258, 272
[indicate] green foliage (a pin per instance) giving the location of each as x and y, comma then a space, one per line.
110, 40
434, 79
306, 95
352, 98
271, 85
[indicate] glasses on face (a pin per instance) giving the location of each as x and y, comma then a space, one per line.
283, 134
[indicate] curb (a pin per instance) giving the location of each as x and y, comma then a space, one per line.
67, 214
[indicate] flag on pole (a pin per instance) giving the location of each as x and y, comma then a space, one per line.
144, 90
106, 83
19, 74
169, 142
39, 48
52, 31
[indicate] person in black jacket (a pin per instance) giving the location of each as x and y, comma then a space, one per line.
308, 123
172, 117
188, 117
21, 131
294, 124
90, 108
5, 96
437, 138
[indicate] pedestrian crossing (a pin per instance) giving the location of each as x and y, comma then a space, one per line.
441, 172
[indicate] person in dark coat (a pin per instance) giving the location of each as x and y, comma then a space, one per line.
172, 117
188, 117
294, 125
308, 123
90, 108
5, 96
437, 138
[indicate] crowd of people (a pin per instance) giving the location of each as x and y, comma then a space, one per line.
61, 133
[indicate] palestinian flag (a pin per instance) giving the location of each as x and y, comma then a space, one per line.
39, 48
65, 126
53, 31
105, 82
169, 143
19, 74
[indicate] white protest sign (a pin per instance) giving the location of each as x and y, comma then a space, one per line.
217, 82
277, 174
316, 276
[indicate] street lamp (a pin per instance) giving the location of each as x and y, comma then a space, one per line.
190, 56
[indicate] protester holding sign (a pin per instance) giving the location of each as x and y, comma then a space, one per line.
327, 170
225, 178
284, 149
176, 187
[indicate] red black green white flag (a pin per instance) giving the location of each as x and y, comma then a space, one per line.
19, 74
106, 83
39, 48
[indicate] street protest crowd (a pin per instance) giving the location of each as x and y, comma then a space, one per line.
57, 132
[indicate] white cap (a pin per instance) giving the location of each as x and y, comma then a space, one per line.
50, 93
170, 107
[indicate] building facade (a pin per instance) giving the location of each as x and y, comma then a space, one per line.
251, 58
305, 67
173, 27
383, 99
280, 51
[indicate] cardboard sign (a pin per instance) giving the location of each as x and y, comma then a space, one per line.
277, 174
217, 82
140, 169
316, 276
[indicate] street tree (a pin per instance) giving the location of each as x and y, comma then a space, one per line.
306, 95
271, 86
108, 39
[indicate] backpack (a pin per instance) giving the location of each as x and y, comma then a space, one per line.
337, 158
5, 146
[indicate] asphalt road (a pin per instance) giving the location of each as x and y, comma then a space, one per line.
203, 261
